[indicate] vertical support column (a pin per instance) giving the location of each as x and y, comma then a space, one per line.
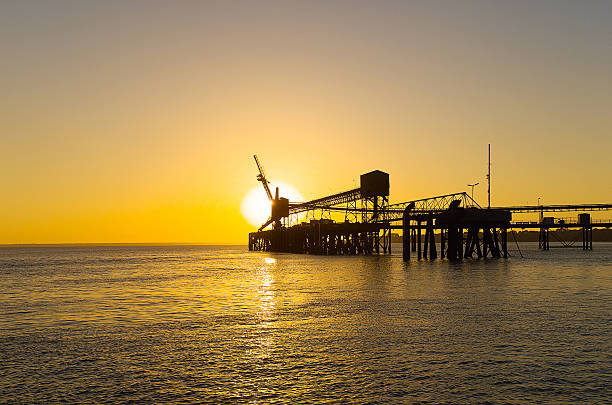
333, 243
453, 235
460, 243
477, 240
384, 240
388, 240
451, 243
413, 239
504, 242
419, 239
496, 252
432, 239
406, 235
540, 238
346, 243
323, 244
319, 240
442, 242
543, 240
469, 244
377, 241
426, 241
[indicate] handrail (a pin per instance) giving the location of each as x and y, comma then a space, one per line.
558, 207
569, 222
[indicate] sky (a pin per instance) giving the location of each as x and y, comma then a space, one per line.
136, 122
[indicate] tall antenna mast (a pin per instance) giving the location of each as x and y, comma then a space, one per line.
489, 180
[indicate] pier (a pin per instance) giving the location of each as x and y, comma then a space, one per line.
359, 221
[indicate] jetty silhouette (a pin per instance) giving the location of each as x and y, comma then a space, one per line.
456, 222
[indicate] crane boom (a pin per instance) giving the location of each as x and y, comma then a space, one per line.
262, 177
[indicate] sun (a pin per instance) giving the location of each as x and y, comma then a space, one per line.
255, 206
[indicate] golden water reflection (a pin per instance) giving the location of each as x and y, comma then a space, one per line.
266, 302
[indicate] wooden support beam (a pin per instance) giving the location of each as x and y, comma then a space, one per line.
406, 235
460, 243
426, 242
432, 239
504, 238
496, 252
478, 251
451, 252
442, 242
419, 240
469, 243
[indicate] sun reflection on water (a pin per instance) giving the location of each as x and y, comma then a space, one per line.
265, 294
265, 298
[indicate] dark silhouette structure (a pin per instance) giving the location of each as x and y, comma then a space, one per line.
465, 229
280, 206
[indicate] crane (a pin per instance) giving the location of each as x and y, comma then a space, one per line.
279, 205
262, 177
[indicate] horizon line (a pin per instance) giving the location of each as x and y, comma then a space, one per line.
123, 244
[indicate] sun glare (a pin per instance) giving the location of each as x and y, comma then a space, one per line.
255, 205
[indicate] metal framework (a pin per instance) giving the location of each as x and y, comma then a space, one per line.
369, 217
438, 203
326, 202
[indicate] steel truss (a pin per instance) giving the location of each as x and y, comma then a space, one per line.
326, 202
439, 203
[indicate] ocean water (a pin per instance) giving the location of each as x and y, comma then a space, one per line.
219, 324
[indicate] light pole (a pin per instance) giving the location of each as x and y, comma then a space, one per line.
473, 185
541, 209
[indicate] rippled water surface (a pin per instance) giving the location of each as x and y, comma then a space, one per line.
221, 324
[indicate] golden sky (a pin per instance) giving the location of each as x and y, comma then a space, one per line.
137, 122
